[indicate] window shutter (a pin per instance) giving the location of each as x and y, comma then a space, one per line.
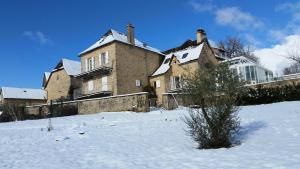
137, 83
106, 57
86, 65
158, 84
100, 57
93, 62
90, 85
171, 82
104, 83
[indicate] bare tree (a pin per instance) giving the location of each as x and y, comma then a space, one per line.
294, 55
294, 68
234, 48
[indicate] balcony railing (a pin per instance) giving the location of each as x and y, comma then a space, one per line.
78, 94
100, 70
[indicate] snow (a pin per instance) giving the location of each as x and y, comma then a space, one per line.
47, 75
71, 67
269, 139
193, 53
23, 93
114, 35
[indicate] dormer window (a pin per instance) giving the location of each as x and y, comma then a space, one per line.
185, 55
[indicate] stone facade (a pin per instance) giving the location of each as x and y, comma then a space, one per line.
130, 68
110, 49
21, 102
179, 70
58, 85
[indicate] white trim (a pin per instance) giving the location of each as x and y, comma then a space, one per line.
104, 83
90, 85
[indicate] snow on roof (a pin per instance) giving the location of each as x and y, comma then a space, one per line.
47, 75
113, 35
71, 67
183, 56
23, 93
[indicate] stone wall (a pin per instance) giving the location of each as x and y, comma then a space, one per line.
137, 102
134, 63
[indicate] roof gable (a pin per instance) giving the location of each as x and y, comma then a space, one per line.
183, 56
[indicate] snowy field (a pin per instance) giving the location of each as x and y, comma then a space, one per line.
270, 139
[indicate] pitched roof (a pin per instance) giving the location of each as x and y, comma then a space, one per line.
183, 56
47, 75
71, 67
23, 93
113, 35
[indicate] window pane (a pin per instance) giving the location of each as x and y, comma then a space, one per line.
248, 73
252, 73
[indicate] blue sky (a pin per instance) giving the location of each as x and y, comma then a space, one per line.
35, 34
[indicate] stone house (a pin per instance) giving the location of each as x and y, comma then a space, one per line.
117, 64
61, 82
22, 96
181, 60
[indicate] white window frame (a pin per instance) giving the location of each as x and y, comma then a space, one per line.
103, 58
174, 85
138, 83
104, 83
90, 85
90, 63
157, 84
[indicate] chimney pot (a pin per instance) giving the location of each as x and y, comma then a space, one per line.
200, 35
130, 34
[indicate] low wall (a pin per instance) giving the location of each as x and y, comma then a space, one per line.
137, 102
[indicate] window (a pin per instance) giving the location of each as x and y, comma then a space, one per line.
184, 55
137, 83
90, 64
167, 61
253, 74
104, 83
175, 82
157, 84
248, 75
90, 85
103, 58
57, 77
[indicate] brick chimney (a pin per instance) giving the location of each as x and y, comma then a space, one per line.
200, 35
130, 34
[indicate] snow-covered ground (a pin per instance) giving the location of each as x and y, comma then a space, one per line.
270, 139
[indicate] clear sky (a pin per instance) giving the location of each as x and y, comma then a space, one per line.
35, 34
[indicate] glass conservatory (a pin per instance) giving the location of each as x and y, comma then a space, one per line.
249, 71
